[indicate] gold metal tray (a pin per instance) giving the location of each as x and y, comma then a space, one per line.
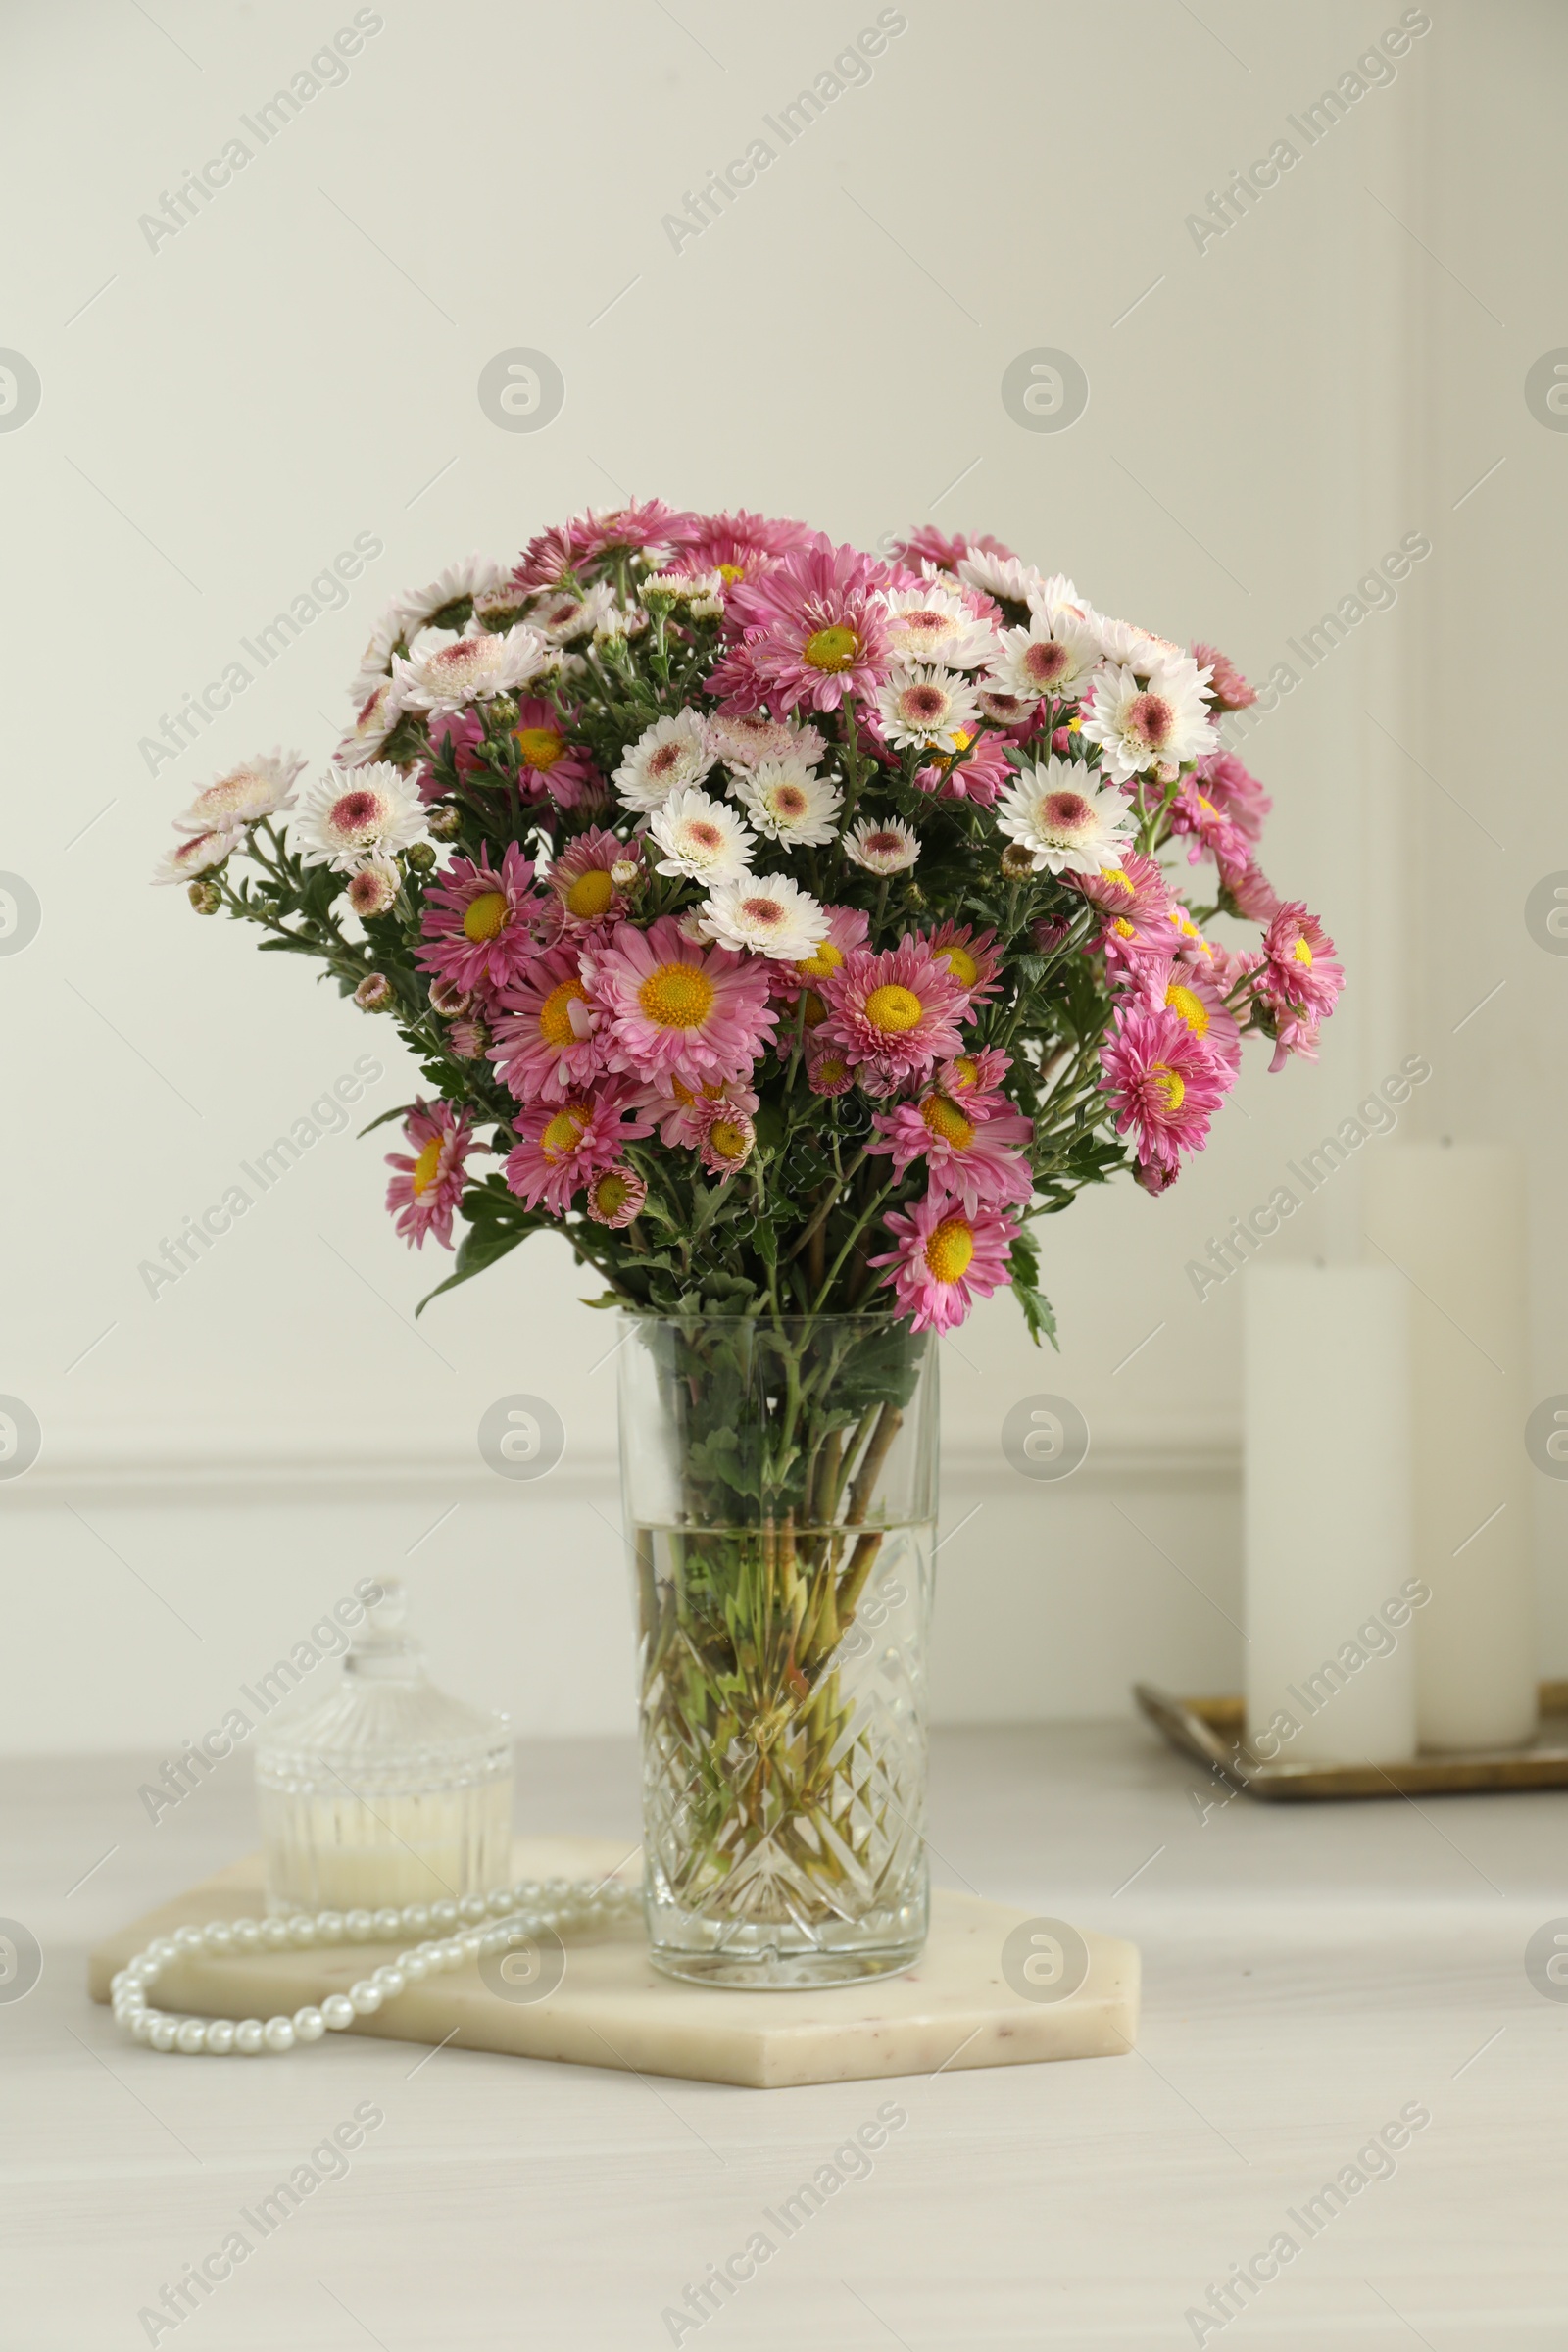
1212, 1731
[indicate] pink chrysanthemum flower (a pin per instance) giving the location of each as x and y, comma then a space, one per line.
568, 546
675, 1010
971, 957
1163, 1082
1299, 959
591, 879
980, 1159
560, 1145
828, 1073
928, 545
975, 1080
615, 1196
1250, 890
1209, 831
1193, 990
1297, 1037
547, 1047
728, 1135
550, 765
1228, 689
426, 1189
896, 1013
1234, 790
943, 1258
813, 631
480, 922
977, 769
847, 928
682, 1113
736, 546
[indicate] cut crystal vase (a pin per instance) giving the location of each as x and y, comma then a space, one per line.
780, 1488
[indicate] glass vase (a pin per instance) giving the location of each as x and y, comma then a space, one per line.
780, 1488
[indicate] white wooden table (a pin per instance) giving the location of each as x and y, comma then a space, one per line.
1308, 1974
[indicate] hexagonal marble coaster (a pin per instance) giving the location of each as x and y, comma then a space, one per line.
612, 2008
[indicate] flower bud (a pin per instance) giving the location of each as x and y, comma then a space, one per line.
504, 709
1017, 863
373, 994
625, 872
444, 822
467, 1040
205, 897
420, 856
449, 1000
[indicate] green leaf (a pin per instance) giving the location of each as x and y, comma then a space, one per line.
1039, 1316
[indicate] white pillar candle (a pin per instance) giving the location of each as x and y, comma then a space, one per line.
1451, 1216
1330, 1609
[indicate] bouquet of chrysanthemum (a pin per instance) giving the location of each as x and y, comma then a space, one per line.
789, 930
801, 927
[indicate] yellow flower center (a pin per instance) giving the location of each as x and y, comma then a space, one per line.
825, 957
590, 895
831, 1069
1074, 723
960, 963
1193, 1009
946, 1119
1113, 873
485, 917
893, 1009
541, 747
832, 649
950, 1248
427, 1167
729, 573
554, 1016
966, 1071
1301, 951
564, 1131
677, 997
1122, 927
815, 1009
612, 1194
1169, 1084
728, 1140
961, 739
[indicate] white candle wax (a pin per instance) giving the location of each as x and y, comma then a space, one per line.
1453, 1217
1330, 1618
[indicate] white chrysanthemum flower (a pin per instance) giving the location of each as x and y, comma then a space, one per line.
882, 845
767, 913
373, 887
671, 753
701, 838
501, 606
927, 709
1059, 595
199, 854
933, 624
255, 788
350, 821
702, 591
788, 802
1063, 826
474, 576
1137, 727
373, 722
1050, 656
376, 659
562, 616
616, 623
1005, 577
743, 737
1131, 648
469, 669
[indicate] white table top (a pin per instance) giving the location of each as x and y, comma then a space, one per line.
1308, 1972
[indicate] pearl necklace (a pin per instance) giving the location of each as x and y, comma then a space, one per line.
510, 1916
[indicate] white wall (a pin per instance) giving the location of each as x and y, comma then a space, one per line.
299, 364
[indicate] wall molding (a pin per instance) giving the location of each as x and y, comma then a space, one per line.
222, 1469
